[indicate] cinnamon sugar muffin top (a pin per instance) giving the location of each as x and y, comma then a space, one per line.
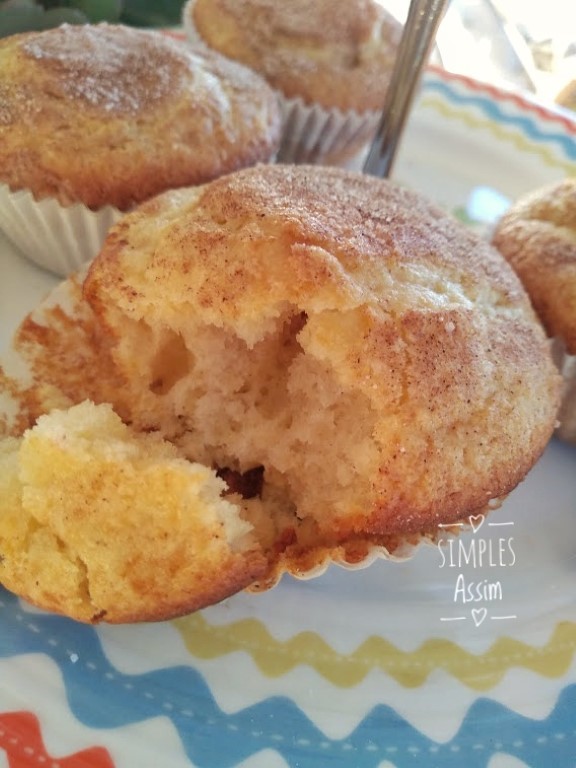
567, 95
537, 236
108, 115
379, 361
336, 53
356, 366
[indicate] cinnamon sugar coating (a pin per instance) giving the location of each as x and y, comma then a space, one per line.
356, 363
538, 237
336, 53
97, 521
108, 115
567, 96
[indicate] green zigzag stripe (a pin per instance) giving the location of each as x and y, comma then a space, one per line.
514, 137
275, 658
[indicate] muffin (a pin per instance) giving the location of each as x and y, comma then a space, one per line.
96, 119
97, 520
567, 95
330, 62
538, 237
357, 367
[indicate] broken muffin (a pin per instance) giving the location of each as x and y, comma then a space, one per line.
102, 523
356, 366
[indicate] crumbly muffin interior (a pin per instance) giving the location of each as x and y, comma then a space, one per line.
354, 366
270, 405
381, 365
106, 522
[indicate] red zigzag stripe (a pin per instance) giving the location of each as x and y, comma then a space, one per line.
551, 113
21, 739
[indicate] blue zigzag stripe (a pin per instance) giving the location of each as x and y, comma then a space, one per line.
100, 696
493, 110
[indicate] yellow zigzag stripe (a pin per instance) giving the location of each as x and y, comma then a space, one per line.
409, 668
515, 137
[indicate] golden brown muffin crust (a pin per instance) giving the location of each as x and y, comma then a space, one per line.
115, 73
567, 96
107, 115
538, 237
334, 53
385, 242
101, 523
378, 366
420, 319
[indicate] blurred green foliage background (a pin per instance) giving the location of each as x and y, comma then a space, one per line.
24, 15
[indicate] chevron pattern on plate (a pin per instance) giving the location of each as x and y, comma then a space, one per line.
409, 668
519, 101
196, 726
500, 128
212, 737
535, 122
21, 740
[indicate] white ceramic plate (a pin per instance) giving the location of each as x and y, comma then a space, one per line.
460, 657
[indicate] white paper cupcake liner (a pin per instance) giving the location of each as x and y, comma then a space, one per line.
189, 26
310, 132
21, 360
566, 429
56, 237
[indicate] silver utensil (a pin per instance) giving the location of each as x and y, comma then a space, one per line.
419, 32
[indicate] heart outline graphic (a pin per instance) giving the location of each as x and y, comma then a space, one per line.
476, 522
479, 614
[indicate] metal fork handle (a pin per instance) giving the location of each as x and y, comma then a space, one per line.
417, 38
